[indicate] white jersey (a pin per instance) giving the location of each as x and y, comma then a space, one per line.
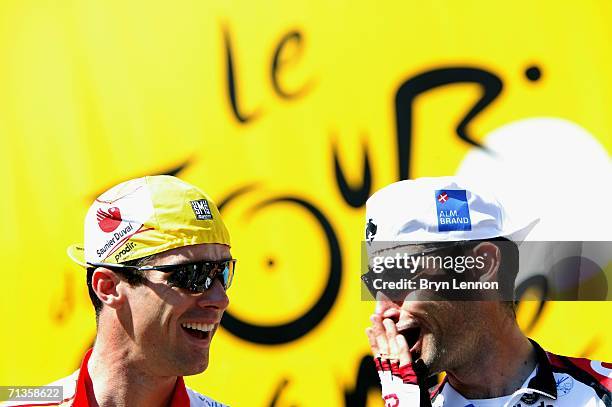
557, 381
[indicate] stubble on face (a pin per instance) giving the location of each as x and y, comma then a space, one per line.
452, 332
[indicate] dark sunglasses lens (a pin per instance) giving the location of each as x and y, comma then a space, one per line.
223, 271
182, 277
200, 276
228, 273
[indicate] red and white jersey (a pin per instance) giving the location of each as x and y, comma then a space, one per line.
76, 386
557, 381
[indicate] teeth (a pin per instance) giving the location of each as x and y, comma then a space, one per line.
199, 326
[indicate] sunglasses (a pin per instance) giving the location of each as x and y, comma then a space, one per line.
395, 275
197, 276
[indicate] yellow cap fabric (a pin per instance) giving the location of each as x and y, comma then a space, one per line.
145, 216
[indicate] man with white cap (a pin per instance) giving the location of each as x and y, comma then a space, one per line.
158, 266
488, 361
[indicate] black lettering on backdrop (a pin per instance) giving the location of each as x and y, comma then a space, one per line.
278, 62
408, 91
354, 196
279, 391
231, 82
300, 326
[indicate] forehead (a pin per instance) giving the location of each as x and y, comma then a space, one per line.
198, 252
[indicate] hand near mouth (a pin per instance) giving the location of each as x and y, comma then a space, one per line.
394, 364
391, 351
393, 361
386, 343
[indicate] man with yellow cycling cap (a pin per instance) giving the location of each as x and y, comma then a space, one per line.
158, 265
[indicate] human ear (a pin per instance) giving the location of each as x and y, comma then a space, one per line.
488, 260
105, 284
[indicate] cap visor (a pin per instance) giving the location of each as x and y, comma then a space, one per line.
520, 235
76, 252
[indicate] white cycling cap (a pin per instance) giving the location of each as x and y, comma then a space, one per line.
442, 209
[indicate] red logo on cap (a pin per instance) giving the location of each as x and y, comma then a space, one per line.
443, 197
109, 221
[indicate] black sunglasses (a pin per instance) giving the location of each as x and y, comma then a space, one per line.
393, 275
197, 276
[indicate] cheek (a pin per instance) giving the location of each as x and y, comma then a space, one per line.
458, 320
443, 316
149, 310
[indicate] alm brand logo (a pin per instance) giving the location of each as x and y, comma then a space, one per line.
109, 220
452, 210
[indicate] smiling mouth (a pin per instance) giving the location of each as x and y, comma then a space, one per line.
198, 331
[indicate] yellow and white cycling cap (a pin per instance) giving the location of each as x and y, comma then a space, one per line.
145, 216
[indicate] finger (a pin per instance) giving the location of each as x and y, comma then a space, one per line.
391, 333
381, 303
391, 313
403, 350
372, 340
379, 335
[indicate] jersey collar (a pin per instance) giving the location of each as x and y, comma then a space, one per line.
84, 386
544, 380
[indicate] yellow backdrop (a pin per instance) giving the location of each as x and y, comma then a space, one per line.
290, 113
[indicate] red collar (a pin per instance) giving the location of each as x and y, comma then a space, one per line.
84, 386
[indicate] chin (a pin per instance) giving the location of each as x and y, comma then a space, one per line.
195, 369
191, 364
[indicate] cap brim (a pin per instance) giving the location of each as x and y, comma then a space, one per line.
520, 235
76, 252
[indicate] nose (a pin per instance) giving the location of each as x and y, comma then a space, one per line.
214, 297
